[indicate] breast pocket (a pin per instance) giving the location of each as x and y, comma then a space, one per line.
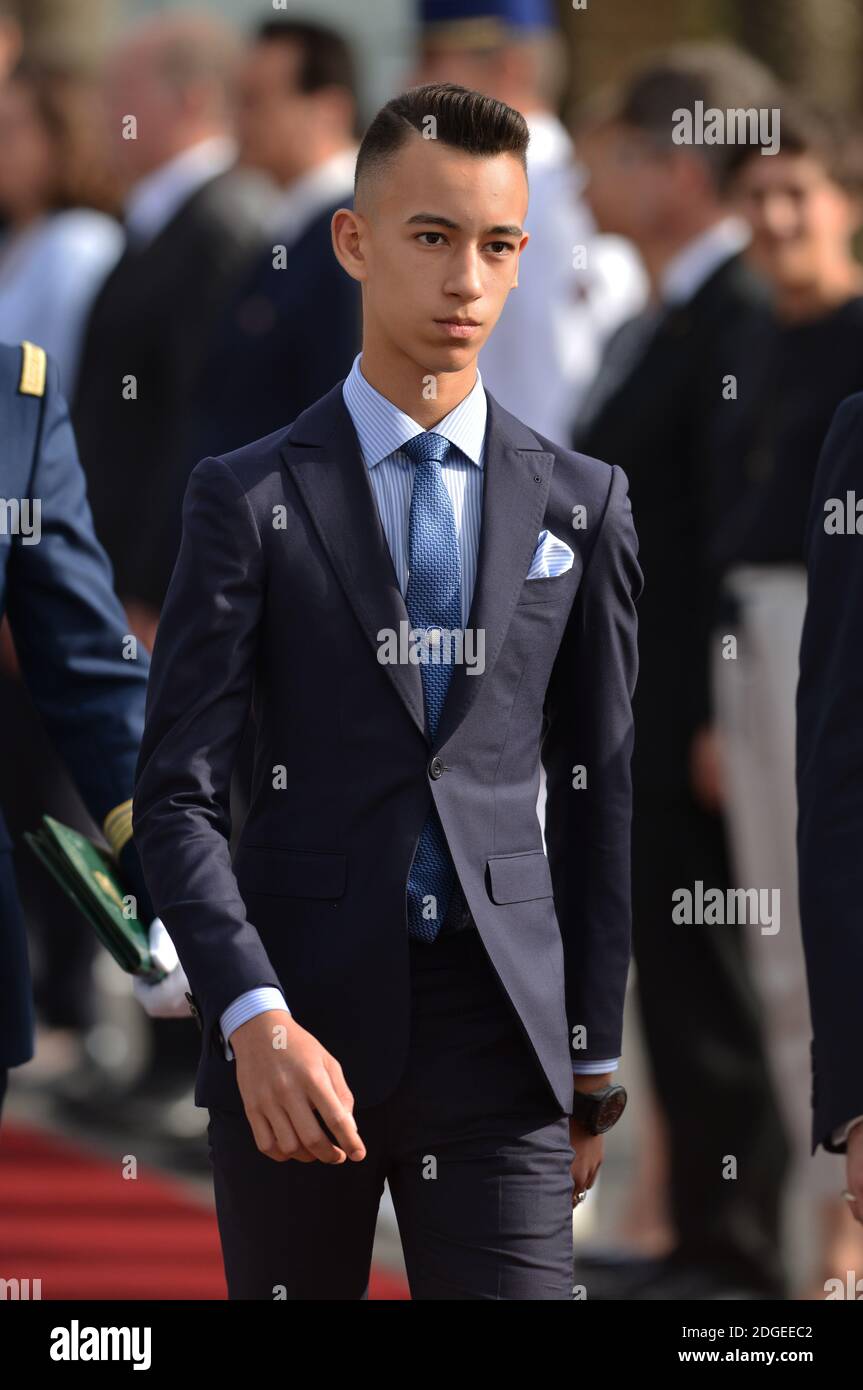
290, 873
546, 590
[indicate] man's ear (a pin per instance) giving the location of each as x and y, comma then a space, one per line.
346, 231
521, 245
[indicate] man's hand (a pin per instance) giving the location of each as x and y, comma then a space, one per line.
143, 621
854, 1170
587, 1148
706, 770
285, 1076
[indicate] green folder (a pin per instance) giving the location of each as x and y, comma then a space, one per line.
90, 877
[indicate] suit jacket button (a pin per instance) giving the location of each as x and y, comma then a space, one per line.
435, 768
194, 1010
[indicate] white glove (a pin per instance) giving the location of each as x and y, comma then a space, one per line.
167, 999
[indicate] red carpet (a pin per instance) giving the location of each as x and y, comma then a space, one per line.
69, 1218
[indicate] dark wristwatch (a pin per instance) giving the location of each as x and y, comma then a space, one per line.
598, 1110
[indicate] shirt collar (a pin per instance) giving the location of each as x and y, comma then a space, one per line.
313, 191
692, 267
155, 198
382, 427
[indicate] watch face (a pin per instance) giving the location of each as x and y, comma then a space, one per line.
610, 1110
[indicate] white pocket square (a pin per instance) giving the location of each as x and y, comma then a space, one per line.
550, 558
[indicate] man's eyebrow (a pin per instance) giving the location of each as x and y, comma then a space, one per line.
501, 229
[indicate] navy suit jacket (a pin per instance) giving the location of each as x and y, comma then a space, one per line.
281, 622
281, 342
69, 630
830, 784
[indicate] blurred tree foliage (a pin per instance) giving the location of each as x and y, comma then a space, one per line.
817, 45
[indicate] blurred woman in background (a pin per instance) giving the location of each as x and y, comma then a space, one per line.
59, 235
805, 207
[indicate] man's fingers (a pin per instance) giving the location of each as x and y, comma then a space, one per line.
340, 1085
310, 1134
337, 1113
302, 1112
276, 1137
341, 1124
286, 1137
262, 1131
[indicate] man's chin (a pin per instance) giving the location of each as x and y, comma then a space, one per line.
450, 357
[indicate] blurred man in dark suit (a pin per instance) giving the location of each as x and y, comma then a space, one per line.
830, 794
87, 681
293, 326
192, 223
651, 412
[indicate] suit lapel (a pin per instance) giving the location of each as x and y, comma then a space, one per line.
323, 456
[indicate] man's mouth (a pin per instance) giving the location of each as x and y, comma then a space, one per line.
459, 327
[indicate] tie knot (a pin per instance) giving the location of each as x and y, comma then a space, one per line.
427, 447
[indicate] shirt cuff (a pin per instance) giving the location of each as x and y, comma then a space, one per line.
594, 1068
841, 1134
246, 1006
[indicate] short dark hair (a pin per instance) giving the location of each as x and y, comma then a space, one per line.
717, 74
66, 105
464, 119
326, 58
833, 139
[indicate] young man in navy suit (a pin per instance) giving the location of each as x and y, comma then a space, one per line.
417, 599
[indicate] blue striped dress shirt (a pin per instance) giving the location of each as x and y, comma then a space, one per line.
381, 429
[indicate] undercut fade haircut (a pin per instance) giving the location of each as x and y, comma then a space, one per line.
464, 119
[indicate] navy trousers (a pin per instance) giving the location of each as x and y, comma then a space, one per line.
474, 1146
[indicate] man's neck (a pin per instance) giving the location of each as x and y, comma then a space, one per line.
406, 384
287, 179
824, 294
181, 145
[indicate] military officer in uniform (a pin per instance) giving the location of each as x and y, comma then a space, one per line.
86, 677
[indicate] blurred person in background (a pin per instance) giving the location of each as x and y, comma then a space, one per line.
293, 327
193, 222
805, 206
829, 787
652, 410
59, 236
574, 286
10, 39
57, 243
71, 637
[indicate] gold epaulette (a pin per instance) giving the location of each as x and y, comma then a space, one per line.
33, 367
117, 826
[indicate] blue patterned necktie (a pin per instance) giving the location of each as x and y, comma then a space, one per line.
432, 599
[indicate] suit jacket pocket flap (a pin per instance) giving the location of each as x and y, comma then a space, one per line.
290, 873
516, 878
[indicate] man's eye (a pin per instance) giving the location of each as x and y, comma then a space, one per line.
504, 245
422, 234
